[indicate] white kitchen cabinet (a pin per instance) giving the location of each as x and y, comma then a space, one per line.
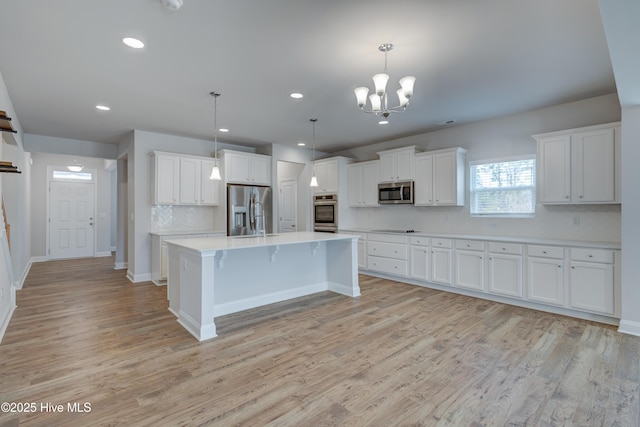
246, 168
579, 165
440, 177
397, 164
388, 254
591, 281
470, 262
441, 261
166, 178
190, 182
545, 274
326, 172
363, 184
419, 252
505, 269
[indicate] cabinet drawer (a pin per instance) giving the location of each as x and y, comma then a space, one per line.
388, 265
419, 241
389, 238
505, 248
440, 243
592, 255
546, 251
390, 250
472, 245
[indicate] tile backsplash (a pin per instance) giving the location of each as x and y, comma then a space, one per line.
178, 218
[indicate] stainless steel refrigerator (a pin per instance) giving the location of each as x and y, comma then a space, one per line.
249, 210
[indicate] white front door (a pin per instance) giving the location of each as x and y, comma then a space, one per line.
71, 209
288, 205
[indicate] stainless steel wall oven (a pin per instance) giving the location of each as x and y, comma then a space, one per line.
325, 212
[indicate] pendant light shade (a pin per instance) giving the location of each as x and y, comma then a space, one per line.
215, 171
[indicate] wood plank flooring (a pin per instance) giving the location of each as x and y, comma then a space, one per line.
397, 355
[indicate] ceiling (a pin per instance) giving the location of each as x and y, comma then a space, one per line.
473, 60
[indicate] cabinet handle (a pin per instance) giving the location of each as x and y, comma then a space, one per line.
581, 197
544, 252
590, 256
559, 266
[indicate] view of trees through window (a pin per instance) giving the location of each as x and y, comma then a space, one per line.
504, 188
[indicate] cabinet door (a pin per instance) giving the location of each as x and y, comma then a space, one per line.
260, 170
419, 263
237, 168
369, 184
387, 171
404, 165
554, 170
327, 175
470, 270
167, 179
189, 181
591, 287
593, 165
441, 266
505, 274
423, 186
445, 179
209, 189
546, 280
355, 186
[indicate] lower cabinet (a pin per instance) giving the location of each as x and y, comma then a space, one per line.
571, 279
470, 262
441, 261
387, 254
545, 274
591, 281
505, 269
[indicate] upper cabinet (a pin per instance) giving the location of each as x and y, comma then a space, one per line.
247, 168
579, 165
397, 164
363, 184
183, 180
329, 173
440, 177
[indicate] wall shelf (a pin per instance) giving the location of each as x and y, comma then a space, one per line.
8, 167
5, 123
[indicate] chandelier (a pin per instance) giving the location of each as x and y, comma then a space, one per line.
378, 100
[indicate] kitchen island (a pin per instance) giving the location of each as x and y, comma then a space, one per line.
214, 276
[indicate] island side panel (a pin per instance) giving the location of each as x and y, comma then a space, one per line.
197, 284
342, 266
252, 277
173, 279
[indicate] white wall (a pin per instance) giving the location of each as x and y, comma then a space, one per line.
504, 137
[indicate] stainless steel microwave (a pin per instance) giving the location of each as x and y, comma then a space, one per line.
395, 192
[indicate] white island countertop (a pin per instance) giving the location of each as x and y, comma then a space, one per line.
207, 244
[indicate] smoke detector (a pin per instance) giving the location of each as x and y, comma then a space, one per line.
172, 4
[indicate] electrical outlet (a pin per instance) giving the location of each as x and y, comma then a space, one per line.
576, 220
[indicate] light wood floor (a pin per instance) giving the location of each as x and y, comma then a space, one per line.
398, 355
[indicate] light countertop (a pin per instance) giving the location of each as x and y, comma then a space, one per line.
487, 238
185, 232
205, 244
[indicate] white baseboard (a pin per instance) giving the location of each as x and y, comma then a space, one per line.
103, 254
629, 327
120, 265
136, 278
20, 282
4, 323
39, 259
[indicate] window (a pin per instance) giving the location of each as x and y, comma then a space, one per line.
505, 187
67, 175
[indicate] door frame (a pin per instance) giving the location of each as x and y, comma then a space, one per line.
50, 178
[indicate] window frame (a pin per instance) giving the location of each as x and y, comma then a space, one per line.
473, 191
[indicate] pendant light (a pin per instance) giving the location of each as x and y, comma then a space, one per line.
314, 180
215, 171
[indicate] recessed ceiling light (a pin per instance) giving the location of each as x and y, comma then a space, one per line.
223, 130
383, 122
134, 43
296, 95
103, 107
301, 144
